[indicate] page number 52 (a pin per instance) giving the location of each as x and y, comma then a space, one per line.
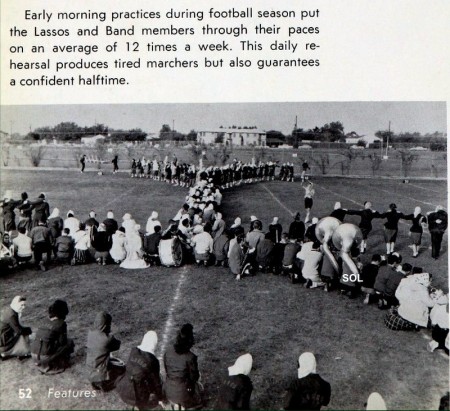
25, 393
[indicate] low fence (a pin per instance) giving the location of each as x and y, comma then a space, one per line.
363, 162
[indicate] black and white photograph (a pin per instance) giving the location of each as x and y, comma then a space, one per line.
272, 255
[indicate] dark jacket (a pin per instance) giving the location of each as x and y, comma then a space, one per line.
297, 230
141, 379
102, 241
434, 225
393, 218
182, 376
64, 246
51, 345
41, 234
111, 226
10, 329
41, 210
367, 215
308, 393
100, 344
235, 392
151, 243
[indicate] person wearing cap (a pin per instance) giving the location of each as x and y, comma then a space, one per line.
151, 223
367, 215
182, 386
391, 226
51, 348
236, 228
375, 402
102, 243
92, 221
236, 389
141, 385
72, 223
309, 391
14, 337
41, 209
110, 223
253, 220
297, 228
9, 217
102, 371
437, 224
82, 242
416, 230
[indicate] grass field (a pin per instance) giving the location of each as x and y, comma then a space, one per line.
264, 315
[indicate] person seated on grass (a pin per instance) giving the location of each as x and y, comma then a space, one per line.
152, 222
368, 275
64, 247
133, 245
51, 348
309, 391
264, 257
102, 244
312, 258
297, 228
118, 252
72, 223
203, 245
82, 243
55, 223
14, 337
141, 385
329, 274
310, 233
439, 320
393, 282
22, 247
348, 284
375, 402
290, 251
128, 223
236, 389
384, 272
182, 385
414, 299
110, 223
151, 246
103, 371
7, 261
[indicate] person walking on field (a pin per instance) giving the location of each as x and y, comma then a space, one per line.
115, 163
83, 162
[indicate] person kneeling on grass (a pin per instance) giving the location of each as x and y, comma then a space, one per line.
237, 387
312, 257
203, 245
141, 385
102, 244
14, 338
22, 246
368, 275
51, 348
64, 247
182, 385
118, 251
439, 322
103, 369
309, 391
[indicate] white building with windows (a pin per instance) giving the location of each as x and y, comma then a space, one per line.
233, 136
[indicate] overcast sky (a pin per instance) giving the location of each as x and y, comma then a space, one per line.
363, 117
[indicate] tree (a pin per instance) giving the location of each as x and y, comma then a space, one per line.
128, 135
191, 136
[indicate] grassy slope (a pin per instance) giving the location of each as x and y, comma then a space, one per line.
264, 315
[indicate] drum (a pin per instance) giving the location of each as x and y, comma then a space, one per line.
170, 252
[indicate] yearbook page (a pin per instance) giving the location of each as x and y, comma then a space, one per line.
224, 205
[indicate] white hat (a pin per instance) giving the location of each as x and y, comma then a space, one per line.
243, 365
149, 342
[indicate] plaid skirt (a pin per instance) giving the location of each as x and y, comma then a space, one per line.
80, 256
393, 321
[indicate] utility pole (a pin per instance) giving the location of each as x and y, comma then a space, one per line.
295, 131
387, 140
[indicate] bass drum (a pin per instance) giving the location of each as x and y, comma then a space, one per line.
170, 252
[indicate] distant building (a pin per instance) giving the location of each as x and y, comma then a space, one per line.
233, 136
367, 139
92, 140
